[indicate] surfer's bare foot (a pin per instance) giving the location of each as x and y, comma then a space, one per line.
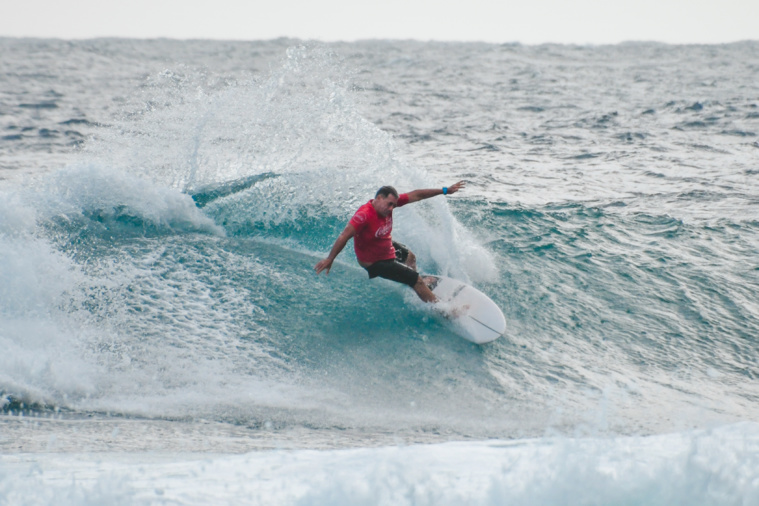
423, 291
457, 312
429, 281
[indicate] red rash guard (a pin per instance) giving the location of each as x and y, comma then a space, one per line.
372, 241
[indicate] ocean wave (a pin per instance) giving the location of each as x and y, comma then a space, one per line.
703, 468
168, 272
93, 200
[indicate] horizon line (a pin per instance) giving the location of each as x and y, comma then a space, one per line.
374, 39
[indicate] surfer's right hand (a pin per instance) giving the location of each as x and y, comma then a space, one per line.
325, 264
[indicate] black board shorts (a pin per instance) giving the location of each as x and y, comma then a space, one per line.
395, 269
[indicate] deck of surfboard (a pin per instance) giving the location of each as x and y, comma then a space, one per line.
478, 318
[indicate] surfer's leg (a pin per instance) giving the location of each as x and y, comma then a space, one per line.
411, 260
423, 291
404, 255
402, 273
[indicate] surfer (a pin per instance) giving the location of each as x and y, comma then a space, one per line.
371, 227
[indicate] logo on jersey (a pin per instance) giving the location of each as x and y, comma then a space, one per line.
385, 229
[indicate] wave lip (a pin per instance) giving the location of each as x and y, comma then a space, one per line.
112, 200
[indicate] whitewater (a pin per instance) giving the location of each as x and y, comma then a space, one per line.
165, 340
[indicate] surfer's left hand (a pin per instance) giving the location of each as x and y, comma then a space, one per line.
456, 187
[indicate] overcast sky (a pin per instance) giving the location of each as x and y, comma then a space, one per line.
526, 21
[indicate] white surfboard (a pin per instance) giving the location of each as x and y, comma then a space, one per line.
477, 319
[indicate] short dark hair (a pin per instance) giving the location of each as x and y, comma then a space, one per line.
385, 191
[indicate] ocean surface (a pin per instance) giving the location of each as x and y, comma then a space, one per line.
164, 339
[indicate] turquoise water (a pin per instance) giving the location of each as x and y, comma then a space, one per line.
158, 234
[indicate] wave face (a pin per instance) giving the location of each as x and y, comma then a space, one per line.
166, 271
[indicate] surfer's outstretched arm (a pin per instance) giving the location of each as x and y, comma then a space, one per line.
417, 195
340, 243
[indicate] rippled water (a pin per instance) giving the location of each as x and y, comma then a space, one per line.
163, 204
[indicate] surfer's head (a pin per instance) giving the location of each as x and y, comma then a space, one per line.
385, 191
385, 200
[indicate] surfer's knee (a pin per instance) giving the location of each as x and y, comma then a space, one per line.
411, 260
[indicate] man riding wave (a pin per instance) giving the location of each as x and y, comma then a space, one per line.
371, 227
